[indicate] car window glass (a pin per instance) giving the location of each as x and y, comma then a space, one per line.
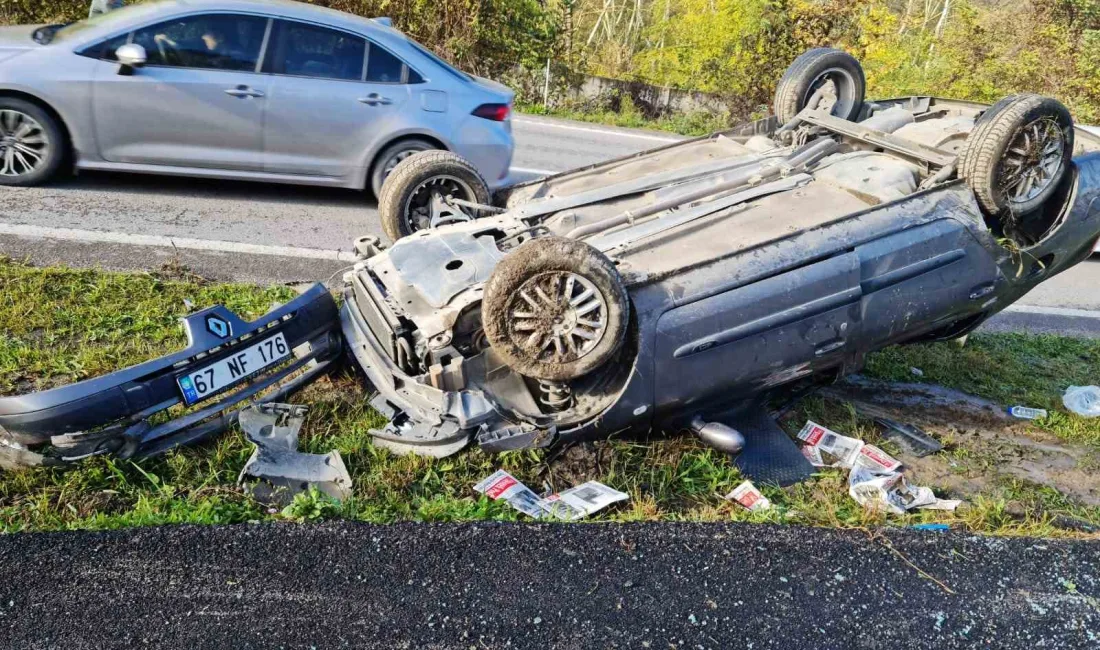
107, 50
310, 51
383, 66
212, 41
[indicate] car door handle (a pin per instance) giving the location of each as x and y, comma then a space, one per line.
243, 91
374, 99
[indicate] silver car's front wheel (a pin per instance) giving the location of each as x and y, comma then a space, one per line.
24, 144
32, 143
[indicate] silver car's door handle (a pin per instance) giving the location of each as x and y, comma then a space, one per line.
374, 99
243, 91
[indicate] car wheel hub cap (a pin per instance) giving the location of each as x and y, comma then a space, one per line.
1033, 160
558, 316
24, 145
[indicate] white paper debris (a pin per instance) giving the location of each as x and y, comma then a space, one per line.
502, 485
844, 449
747, 495
581, 501
877, 460
892, 493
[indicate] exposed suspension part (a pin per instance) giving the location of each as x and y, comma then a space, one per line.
555, 396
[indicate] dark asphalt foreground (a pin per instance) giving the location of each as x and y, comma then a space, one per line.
526, 586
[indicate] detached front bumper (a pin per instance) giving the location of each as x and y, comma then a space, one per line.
115, 413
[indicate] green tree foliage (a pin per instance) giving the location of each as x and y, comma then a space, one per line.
970, 49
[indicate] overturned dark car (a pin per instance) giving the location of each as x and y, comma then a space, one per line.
677, 288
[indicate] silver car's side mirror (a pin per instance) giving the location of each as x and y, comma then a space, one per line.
130, 56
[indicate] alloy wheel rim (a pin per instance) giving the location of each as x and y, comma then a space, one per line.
397, 158
1032, 160
558, 317
24, 144
421, 208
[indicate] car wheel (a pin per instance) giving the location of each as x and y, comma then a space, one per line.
555, 309
822, 68
1017, 154
32, 143
391, 157
410, 197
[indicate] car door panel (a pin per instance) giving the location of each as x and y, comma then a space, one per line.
180, 116
763, 333
936, 270
199, 101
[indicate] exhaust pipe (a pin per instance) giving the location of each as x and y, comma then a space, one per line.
722, 437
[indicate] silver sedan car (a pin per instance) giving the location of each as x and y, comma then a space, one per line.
243, 89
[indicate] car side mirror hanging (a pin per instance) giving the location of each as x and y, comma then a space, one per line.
130, 57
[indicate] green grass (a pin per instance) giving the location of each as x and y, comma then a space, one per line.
1011, 369
62, 325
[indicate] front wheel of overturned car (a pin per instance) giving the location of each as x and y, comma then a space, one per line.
414, 195
1017, 154
555, 309
32, 143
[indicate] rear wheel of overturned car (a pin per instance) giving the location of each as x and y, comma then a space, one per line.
837, 74
415, 195
555, 309
32, 143
1017, 155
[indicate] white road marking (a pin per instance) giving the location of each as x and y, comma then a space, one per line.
97, 236
537, 172
1052, 311
625, 134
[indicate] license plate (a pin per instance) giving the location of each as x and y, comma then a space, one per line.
204, 382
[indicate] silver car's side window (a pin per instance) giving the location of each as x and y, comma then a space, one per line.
306, 50
207, 41
383, 67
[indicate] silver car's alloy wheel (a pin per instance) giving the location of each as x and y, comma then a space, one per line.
560, 316
1033, 160
24, 145
396, 159
426, 208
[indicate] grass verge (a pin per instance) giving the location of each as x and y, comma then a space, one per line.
59, 325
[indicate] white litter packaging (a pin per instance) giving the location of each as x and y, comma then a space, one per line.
877, 460
747, 495
502, 485
844, 449
1083, 400
893, 493
581, 501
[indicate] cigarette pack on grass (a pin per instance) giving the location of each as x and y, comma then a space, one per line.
747, 495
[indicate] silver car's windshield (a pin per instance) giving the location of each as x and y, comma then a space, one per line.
56, 34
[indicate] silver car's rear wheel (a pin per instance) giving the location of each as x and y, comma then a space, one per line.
32, 144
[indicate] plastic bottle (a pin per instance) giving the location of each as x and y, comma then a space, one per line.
1027, 413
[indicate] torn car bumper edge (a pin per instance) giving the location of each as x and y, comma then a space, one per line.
115, 413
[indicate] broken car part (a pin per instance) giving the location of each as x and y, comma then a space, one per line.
277, 470
910, 438
227, 362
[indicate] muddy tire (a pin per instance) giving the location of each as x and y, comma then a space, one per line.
812, 70
404, 205
1017, 154
555, 309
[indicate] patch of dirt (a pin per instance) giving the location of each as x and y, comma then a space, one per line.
577, 464
984, 445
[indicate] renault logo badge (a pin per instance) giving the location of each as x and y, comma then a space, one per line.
218, 326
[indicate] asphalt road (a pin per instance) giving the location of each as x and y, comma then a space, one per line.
138, 222
560, 586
